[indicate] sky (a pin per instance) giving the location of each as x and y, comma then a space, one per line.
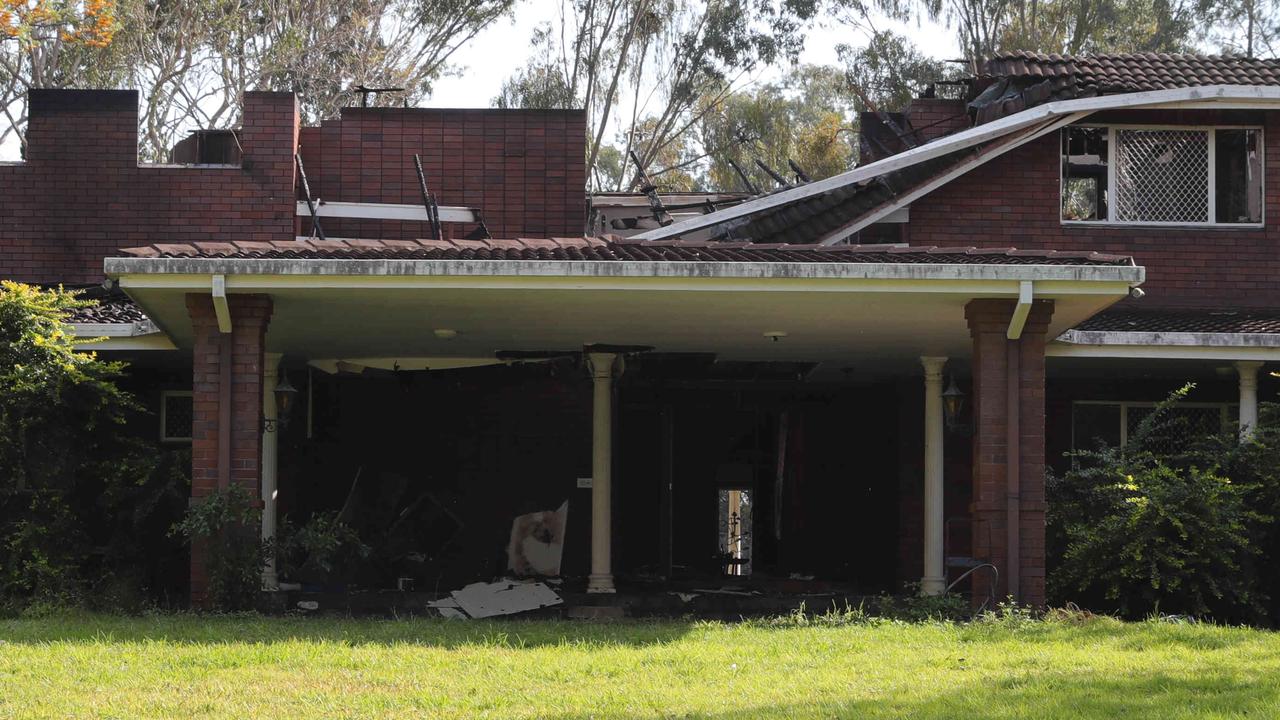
484, 70
504, 47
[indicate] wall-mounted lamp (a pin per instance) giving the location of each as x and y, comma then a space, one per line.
952, 404
285, 394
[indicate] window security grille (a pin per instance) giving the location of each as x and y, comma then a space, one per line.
1162, 175
176, 414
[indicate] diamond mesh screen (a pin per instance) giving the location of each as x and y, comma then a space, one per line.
1182, 427
1162, 175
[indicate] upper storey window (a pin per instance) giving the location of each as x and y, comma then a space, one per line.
1162, 175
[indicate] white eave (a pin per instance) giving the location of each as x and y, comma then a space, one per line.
256, 274
1166, 345
1214, 96
140, 335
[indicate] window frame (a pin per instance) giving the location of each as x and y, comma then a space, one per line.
164, 409
1223, 407
1210, 186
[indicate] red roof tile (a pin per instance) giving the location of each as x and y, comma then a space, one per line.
1183, 321
1135, 72
616, 249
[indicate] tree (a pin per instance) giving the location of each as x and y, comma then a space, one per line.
51, 43
808, 118
82, 501
657, 67
193, 60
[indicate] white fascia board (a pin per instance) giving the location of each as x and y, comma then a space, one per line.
1218, 96
1161, 352
144, 335
250, 275
1103, 338
385, 211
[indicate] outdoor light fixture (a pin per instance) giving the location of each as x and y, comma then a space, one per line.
446, 333
775, 335
952, 404
285, 394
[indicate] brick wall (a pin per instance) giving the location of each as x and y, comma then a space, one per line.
524, 169
1014, 201
988, 322
250, 315
81, 194
929, 118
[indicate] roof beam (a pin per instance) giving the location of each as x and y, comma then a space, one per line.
1217, 96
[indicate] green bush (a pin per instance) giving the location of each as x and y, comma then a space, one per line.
226, 524
1136, 532
82, 502
318, 549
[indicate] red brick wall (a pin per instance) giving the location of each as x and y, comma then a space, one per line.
988, 322
81, 194
524, 169
1014, 201
934, 117
250, 315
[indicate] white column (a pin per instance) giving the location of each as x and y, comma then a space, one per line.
270, 430
934, 581
602, 368
1248, 371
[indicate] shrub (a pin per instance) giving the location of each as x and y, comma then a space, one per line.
1136, 532
225, 523
318, 548
81, 501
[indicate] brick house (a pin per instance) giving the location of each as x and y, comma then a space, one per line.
839, 386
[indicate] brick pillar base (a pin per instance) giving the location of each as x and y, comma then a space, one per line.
226, 427
988, 325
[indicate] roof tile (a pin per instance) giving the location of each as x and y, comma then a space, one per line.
618, 249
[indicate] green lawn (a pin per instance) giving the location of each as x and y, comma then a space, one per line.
186, 666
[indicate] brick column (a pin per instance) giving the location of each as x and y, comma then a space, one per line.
990, 509
220, 456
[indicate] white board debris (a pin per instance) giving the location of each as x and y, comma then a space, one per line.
505, 597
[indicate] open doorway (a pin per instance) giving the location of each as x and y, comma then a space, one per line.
735, 531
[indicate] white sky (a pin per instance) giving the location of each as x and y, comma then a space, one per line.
504, 47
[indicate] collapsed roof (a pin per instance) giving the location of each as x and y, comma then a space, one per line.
1016, 98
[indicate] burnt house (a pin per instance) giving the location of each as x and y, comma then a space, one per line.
841, 386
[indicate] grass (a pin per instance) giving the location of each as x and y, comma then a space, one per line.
188, 666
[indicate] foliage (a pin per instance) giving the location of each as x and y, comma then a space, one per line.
1138, 532
30, 22
193, 61
319, 547
806, 118
225, 524
666, 64
82, 502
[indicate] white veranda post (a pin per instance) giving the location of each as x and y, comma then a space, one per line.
1248, 371
271, 365
602, 367
935, 577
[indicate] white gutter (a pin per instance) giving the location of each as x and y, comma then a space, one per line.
1170, 339
141, 335
1220, 96
252, 274
384, 211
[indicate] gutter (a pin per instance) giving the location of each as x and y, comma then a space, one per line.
1220, 96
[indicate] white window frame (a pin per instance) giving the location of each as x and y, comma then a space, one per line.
1224, 409
164, 407
1212, 177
